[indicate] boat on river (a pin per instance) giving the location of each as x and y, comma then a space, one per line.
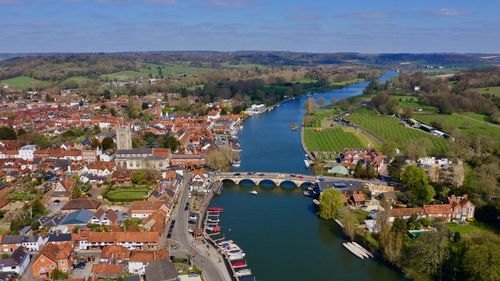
243, 272
316, 202
216, 209
236, 163
294, 127
253, 192
237, 256
239, 264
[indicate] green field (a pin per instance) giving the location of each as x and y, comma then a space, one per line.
334, 139
467, 123
410, 102
390, 129
477, 227
489, 90
146, 69
126, 195
22, 82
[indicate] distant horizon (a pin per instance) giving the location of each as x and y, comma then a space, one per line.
255, 51
321, 26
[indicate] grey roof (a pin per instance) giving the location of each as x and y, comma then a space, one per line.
59, 237
80, 217
51, 221
133, 278
161, 270
14, 239
15, 259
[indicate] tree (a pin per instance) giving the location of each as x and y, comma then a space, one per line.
359, 170
38, 208
424, 259
310, 105
221, 158
416, 149
57, 274
7, 133
76, 192
138, 177
349, 221
370, 172
170, 142
321, 102
482, 257
389, 149
330, 203
107, 143
418, 189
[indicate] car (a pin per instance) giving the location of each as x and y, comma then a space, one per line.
80, 265
261, 175
190, 230
193, 274
249, 173
193, 217
300, 177
53, 203
293, 176
186, 207
237, 174
169, 235
189, 195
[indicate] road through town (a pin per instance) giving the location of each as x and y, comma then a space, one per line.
204, 257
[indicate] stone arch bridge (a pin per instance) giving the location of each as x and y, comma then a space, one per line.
258, 178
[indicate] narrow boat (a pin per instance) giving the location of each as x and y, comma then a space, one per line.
239, 264
243, 272
253, 192
216, 209
349, 247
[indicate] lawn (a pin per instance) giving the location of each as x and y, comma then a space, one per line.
489, 90
126, 194
467, 123
471, 227
413, 103
390, 129
334, 139
22, 82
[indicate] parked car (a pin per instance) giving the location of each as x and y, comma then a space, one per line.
237, 174
193, 274
80, 265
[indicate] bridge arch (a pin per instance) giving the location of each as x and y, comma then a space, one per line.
288, 184
306, 184
247, 182
229, 181
267, 183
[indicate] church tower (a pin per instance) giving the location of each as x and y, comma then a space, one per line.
123, 137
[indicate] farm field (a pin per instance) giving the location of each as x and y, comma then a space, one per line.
334, 139
22, 82
489, 90
389, 128
468, 123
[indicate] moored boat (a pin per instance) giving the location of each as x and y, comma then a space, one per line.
239, 264
316, 202
353, 250
216, 209
243, 272
237, 256
362, 249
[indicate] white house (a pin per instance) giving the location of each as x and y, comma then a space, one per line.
27, 152
34, 243
16, 263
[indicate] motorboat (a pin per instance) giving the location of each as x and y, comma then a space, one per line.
243, 272
213, 228
237, 256
239, 264
253, 192
213, 220
216, 209
236, 163
225, 242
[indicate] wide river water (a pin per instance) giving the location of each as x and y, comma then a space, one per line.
278, 229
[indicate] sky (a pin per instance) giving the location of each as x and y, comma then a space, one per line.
366, 26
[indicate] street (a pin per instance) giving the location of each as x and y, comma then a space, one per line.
206, 258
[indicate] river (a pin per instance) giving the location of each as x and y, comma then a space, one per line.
278, 229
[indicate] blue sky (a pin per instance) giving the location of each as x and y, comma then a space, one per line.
369, 26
